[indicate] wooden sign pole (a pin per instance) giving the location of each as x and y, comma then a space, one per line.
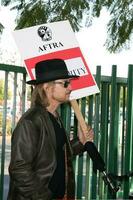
79, 116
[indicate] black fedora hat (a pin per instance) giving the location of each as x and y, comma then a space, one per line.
50, 70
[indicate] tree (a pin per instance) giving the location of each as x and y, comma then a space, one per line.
2, 91
1, 28
119, 28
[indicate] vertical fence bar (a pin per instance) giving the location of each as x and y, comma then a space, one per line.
104, 130
131, 129
14, 101
74, 132
88, 163
117, 132
112, 135
23, 93
3, 136
104, 120
79, 178
80, 161
128, 141
97, 108
65, 115
123, 128
96, 130
83, 111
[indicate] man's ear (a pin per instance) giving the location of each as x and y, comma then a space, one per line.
46, 86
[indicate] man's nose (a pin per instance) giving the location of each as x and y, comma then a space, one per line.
69, 87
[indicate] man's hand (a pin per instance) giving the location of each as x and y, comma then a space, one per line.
85, 136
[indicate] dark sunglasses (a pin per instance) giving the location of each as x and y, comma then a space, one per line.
64, 83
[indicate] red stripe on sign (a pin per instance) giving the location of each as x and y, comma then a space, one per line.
64, 54
82, 82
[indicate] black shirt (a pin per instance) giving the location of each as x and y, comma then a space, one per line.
57, 183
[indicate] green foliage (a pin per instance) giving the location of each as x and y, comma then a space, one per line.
29, 92
2, 91
80, 12
0, 123
38, 12
32, 15
1, 28
8, 125
120, 27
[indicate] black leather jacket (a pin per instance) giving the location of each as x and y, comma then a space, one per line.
33, 158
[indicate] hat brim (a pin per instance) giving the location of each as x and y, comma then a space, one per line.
36, 82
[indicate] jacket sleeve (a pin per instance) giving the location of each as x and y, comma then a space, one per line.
77, 146
23, 152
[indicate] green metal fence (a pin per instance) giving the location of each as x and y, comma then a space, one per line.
110, 113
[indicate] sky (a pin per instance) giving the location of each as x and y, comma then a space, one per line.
91, 41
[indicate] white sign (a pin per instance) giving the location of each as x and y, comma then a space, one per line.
56, 40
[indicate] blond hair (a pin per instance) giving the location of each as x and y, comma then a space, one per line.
39, 96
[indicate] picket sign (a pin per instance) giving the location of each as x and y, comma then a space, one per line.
57, 40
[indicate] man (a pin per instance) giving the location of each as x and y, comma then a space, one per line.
41, 154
